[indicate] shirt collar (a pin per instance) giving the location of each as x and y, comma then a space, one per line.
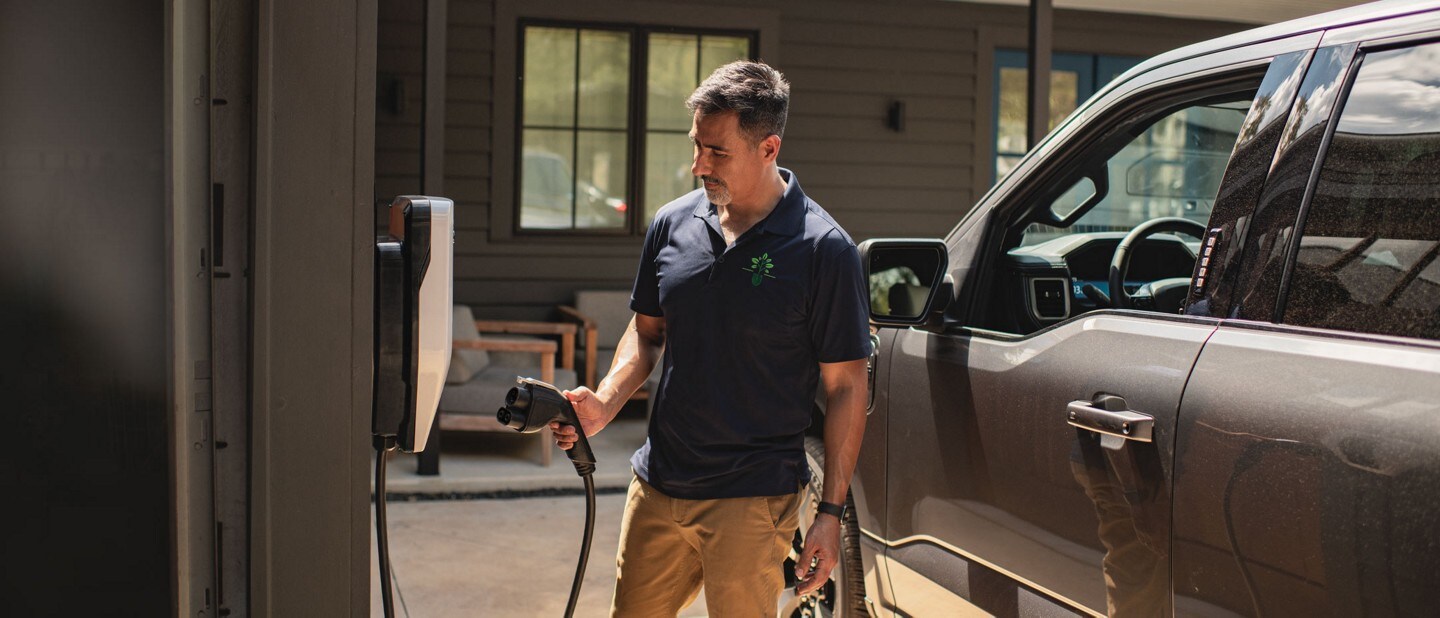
788, 218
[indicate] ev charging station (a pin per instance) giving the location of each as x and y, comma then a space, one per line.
414, 286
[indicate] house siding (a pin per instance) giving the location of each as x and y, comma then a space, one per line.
846, 61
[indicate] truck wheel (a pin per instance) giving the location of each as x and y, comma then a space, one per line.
844, 594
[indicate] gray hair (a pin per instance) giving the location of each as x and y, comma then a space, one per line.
755, 91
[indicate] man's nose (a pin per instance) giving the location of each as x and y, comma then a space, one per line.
701, 165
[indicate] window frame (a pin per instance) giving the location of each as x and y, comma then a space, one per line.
636, 130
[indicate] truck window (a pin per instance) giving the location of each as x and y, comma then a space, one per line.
1160, 163
1366, 256
1171, 169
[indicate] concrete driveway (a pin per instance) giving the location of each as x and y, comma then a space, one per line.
484, 554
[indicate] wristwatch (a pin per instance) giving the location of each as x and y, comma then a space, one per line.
830, 508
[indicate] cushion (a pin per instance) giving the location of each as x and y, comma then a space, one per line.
611, 311
464, 364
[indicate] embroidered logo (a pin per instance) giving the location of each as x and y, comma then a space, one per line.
759, 269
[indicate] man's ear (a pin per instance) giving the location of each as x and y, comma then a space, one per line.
770, 147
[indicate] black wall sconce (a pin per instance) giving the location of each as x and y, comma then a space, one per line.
390, 95
895, 116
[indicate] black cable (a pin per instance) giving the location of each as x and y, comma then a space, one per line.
383, 446
584, 544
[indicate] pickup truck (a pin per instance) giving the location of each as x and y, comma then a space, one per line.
1184, 360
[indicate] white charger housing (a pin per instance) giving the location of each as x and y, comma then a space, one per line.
414, 286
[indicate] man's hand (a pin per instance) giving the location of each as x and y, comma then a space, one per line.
592, 417
822, 545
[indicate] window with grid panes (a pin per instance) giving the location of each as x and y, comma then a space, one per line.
603, 139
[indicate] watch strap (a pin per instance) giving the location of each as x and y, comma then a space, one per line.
830, 508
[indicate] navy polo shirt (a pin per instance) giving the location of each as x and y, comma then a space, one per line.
746, 327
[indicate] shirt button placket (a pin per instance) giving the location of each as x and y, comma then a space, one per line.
715, 267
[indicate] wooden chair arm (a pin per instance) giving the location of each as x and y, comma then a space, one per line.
591, 344
565, 330
541, 346
525, 328
584, 320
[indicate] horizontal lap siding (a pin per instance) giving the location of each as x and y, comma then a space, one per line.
847, 61
399, 55
469, 68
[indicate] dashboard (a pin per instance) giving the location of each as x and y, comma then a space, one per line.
1050, 277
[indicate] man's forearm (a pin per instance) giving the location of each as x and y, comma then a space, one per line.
844, 430
635, 358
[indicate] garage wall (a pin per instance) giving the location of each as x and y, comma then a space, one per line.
846, 60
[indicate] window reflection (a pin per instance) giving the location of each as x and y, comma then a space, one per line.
575, 119
677, 64
1396, 93
1367, 256
1172, 169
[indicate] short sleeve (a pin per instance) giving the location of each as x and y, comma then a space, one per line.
839, 306
645, 296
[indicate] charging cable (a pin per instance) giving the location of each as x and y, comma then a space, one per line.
532, 406
529, 407
383, 446
584, 544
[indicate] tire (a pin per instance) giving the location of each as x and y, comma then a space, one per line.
844, 595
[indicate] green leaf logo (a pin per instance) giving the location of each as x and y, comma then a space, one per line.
760, 269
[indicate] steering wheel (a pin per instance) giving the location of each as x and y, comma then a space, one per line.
1120, 263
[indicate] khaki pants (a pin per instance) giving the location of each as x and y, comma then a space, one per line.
669, 547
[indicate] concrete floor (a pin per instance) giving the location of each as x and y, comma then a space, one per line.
504, 556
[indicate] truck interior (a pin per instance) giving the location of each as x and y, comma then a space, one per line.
1154, 171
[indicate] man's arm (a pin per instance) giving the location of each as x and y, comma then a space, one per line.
846, 393
635, 357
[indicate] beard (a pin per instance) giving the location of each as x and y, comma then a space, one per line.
720, 195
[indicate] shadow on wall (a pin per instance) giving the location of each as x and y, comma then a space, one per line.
82, 285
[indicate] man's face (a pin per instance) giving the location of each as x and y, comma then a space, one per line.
727, 162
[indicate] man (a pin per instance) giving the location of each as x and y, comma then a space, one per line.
750, 294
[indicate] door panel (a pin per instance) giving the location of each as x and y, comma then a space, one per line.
1305, 473
868, 483
986, 469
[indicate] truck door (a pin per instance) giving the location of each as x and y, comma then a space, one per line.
1030, 443
1308, 452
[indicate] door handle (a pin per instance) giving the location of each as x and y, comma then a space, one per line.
1109, 416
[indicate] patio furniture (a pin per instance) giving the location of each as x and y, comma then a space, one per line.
483, 369
603, 316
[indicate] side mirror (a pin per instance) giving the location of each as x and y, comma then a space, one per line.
908, 284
